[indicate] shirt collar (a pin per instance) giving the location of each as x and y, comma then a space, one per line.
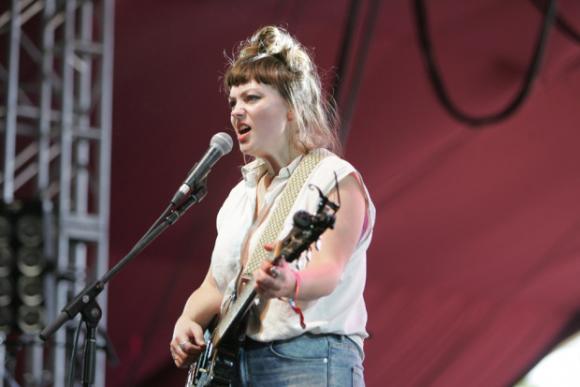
252, 171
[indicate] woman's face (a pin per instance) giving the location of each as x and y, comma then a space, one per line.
260, 118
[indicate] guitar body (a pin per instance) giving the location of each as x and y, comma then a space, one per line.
216, 365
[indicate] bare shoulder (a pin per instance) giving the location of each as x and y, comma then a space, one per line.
350, 193
342, 239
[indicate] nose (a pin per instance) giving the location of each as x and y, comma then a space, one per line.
238, 111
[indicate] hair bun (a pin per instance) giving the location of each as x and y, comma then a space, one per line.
277, 42
273, 40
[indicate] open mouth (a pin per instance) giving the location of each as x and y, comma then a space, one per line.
244, 129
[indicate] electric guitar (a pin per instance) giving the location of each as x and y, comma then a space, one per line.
216, 365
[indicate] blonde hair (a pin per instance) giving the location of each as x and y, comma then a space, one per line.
272, 56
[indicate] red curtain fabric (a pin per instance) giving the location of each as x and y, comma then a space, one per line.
473, 271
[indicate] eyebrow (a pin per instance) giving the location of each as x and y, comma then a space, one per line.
244, 92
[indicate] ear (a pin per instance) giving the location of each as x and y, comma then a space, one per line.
290, 115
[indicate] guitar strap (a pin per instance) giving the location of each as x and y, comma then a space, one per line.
281, 211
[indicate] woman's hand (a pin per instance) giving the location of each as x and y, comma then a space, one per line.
187, 342
275, 280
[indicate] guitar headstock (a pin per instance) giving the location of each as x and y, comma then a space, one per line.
309, 227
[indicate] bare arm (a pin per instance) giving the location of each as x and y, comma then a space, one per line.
201, 306
322, 274
204, 303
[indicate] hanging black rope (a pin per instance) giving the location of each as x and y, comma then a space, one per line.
345, 50
561, 23
362, 55
440, 89
348, 101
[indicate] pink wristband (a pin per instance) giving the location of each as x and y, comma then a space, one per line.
292, 300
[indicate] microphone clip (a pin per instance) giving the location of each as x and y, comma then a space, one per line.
195, 195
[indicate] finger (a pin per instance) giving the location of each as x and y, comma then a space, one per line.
197, 336
180, 357
274, 273
261, 273
265, 266
183, 351
182, 362
185, 348
283, 264
269, 270
177, 358
267, 286
276, 247
177, 347
265, 279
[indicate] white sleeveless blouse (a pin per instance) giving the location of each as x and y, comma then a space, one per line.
343, 311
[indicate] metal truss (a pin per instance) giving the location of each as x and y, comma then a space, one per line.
55, 121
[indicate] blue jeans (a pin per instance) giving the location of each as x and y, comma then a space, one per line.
307, 360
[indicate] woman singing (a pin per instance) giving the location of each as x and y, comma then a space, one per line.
310, 325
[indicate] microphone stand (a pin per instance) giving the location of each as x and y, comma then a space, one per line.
85, 302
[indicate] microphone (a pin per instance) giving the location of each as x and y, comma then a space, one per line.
221, 144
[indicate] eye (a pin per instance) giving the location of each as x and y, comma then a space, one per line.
232, 103
252, 97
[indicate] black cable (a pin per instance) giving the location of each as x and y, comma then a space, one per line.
73, 354
361, 56
440, 89
560, 23
345, 50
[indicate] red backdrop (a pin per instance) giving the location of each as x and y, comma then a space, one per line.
474, 267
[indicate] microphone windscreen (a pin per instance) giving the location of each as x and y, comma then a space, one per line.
223, 142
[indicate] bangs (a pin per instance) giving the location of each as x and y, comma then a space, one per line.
268, 70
